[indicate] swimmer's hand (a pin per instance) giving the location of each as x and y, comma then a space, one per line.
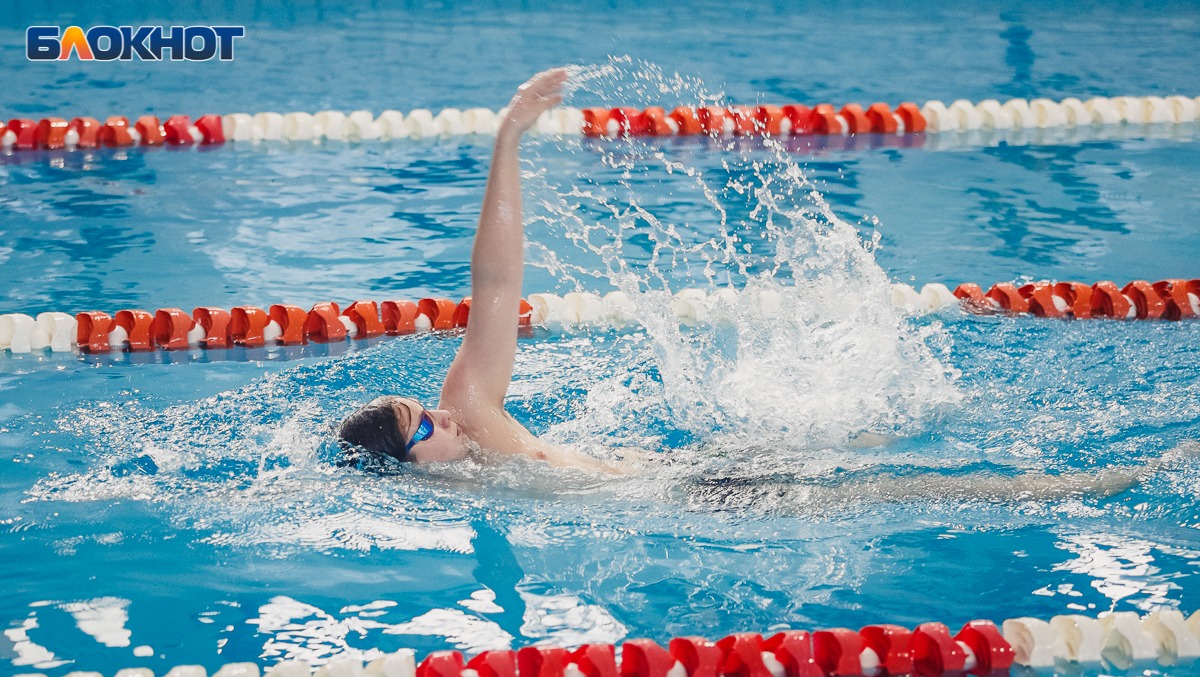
541, 93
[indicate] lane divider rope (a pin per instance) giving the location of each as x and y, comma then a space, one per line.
759, 120
284, 324
1114, 641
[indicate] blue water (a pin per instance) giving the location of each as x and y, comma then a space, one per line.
187, 502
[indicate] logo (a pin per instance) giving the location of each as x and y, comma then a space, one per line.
123, 43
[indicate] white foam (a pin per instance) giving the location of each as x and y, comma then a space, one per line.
818, 320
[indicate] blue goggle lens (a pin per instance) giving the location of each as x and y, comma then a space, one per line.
424, 431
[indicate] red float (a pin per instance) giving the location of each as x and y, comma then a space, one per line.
136, 324
541, 661
800, 117
856, 119
881, 119
524, 314
595, 122
441, 664
992, 652
439, 311
1150, 306
910, 115
246, 324
741, 655
25, 131
177, 130
1078, 297
655, 122
462, 312
712, 120
365, 315
699, 656
150, 130
743, 118
768, 120
399, 317
215, 322
838, 652
687, 121
1108, 301
1176, 294
793, 649
88, 130
825, 121
499, 663
935, 652
1040, 299
595, 660
893, 645
630, 121
969, 291
211, 129
322, 324
291, 321
91, 332
170, 328
644, 658
1009, 298
115, 132
51, 134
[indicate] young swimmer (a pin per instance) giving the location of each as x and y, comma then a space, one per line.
471, 418
471, 412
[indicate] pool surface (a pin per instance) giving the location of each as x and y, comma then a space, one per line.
177, 508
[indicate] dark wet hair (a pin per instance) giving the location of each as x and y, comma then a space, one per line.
376, 430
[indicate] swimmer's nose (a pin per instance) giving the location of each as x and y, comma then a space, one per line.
442, 418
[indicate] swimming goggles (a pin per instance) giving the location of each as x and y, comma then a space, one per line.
424, 432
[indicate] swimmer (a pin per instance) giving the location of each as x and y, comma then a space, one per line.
470, 419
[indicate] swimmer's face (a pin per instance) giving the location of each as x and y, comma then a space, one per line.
447, 443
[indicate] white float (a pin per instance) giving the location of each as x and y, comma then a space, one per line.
330, 124
966, 115
1032, 641
268, 127
938, 117
361, 126
238, 127
420, 124
993, 116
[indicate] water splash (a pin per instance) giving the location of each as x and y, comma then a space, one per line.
809, 349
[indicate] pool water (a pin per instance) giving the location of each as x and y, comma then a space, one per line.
185, 507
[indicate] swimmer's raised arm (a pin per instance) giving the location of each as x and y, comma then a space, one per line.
480, 374
478, 379
471, 414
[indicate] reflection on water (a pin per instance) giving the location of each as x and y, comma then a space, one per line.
1121, 567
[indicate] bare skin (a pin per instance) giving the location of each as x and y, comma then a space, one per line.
472, 402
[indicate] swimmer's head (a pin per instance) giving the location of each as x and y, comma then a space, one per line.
401, 429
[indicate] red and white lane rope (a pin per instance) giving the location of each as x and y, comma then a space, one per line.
758, 120
1173, 299
284, 324
1114, 641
